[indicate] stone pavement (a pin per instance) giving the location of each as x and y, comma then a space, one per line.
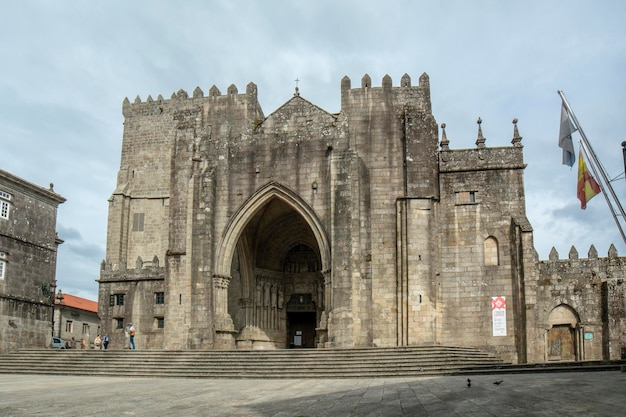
539, 394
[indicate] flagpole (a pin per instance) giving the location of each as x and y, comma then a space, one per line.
624, 155
594, 162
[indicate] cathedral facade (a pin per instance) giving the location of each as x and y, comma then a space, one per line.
229, 229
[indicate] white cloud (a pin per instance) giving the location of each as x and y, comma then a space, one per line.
68, 66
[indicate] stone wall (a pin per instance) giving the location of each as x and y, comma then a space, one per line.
29, 242
592, 289
27, 324
139, 286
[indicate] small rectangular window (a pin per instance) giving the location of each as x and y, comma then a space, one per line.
85, 328
116, 299
159, 298
5, 205
138, 222
465, 197
69, 326
160, 322
119, 323
4, 209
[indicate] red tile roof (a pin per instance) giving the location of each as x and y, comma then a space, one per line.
78, 302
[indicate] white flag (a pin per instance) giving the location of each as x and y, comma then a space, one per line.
565, 137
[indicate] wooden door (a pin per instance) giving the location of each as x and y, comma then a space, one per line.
561, 343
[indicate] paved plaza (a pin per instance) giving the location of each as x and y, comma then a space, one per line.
539, 394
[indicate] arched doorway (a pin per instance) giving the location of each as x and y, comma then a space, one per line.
563, 334
277, 286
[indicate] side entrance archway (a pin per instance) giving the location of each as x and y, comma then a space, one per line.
563, 335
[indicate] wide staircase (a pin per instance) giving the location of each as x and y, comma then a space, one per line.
291, 363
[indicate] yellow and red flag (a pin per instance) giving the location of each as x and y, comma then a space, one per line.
587, 185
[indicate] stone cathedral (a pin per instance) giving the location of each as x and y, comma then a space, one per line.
229, 229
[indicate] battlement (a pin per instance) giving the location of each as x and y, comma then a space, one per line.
581, 272
573, 254
575, 268
181, 100
418, 96
143, 271
481, 157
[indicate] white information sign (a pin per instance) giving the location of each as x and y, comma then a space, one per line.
498, 315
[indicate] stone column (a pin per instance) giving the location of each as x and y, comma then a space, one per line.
327, 288
247, 305
220, 301
322, 329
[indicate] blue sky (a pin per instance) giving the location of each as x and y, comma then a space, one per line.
67, 67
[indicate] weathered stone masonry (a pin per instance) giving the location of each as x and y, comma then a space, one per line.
28, 252
229, 229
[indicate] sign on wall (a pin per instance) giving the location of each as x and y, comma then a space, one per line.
498, 315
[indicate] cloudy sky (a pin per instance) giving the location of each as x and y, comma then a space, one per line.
68, 65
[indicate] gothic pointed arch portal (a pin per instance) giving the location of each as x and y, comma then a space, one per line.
275, 252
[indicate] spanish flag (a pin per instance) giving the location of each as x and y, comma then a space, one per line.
587, 185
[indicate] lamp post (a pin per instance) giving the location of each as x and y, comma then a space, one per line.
53, 287
59, 301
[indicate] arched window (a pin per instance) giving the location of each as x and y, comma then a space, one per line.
491, 251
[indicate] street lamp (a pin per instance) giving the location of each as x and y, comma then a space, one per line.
52, 294
59, 301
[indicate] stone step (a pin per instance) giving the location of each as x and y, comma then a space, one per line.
292, 363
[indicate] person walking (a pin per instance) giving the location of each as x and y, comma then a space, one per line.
105, 342
97, 342
132, 336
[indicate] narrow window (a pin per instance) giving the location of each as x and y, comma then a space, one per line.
85, 328
160, 322
119, 323
3, 264
69, 326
